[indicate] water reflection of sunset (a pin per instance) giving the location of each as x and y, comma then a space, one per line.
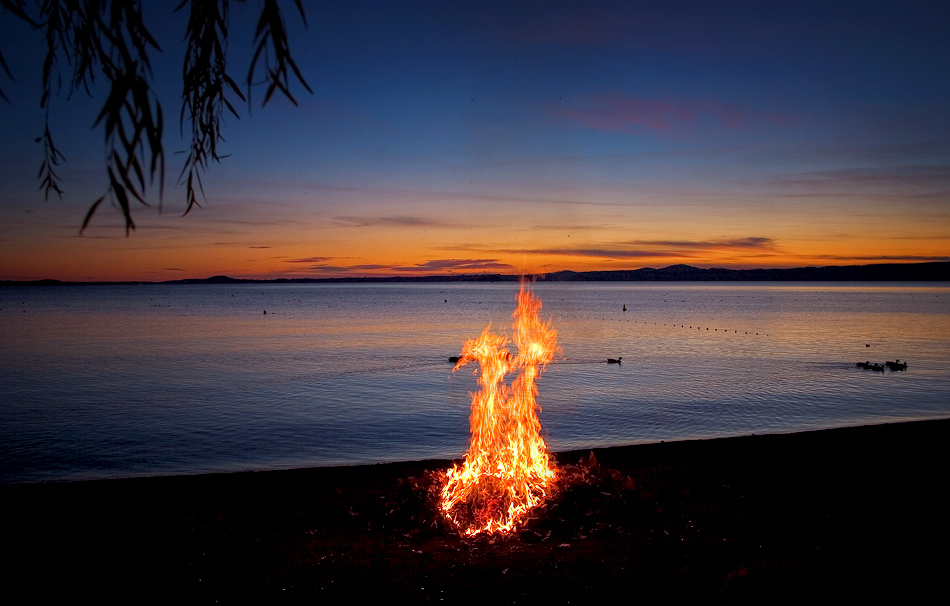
119, 380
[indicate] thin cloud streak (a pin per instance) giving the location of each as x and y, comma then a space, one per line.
432, 266
913, 175
625, 113
739, 243
342, 269
396, 221
455, 265
309, 260
605, 253
891, 258
416, 194
659, 249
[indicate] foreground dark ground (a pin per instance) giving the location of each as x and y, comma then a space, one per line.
837, 514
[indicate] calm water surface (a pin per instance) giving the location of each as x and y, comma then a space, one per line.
108, 381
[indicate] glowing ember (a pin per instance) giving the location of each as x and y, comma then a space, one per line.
506, 470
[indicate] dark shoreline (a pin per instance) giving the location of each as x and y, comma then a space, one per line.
932, 271
851, 513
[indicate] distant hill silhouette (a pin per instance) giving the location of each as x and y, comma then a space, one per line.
900, 272
938, 271
896, 272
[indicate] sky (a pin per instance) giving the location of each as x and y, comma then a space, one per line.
517, 137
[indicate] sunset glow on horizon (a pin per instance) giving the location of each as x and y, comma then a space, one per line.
486, 138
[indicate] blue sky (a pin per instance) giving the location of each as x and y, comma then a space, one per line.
537, 136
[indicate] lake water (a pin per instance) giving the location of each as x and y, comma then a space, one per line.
114, 381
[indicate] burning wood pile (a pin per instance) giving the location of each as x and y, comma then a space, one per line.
586, 498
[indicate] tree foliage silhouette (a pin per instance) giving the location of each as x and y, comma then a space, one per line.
109, 38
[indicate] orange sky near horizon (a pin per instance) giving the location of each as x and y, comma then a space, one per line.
205, 244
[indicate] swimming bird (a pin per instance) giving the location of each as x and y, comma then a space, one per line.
613, 361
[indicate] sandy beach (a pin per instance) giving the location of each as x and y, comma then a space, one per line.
845, 513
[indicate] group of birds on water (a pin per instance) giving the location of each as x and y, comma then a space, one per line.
898, 365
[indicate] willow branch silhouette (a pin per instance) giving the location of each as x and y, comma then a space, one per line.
109, 39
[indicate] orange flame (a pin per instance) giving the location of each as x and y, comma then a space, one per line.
506, 471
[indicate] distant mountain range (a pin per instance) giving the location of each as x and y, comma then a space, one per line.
890, 272
912, 272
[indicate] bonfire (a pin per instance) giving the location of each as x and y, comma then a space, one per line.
506, 471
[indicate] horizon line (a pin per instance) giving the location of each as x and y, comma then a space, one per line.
615, 273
